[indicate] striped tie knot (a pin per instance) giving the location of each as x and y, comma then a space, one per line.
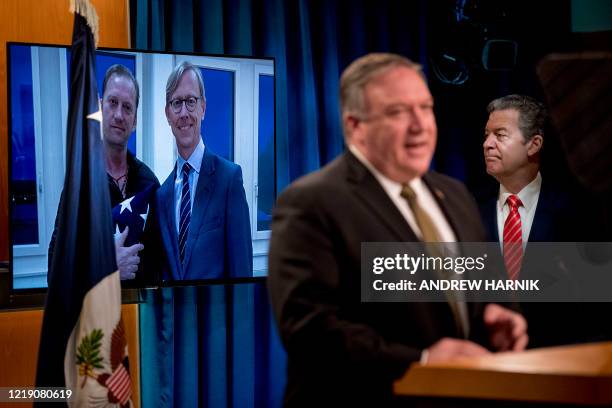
514, 202
186, 169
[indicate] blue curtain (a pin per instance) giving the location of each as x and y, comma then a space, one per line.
311, 41
212, 346
217, 346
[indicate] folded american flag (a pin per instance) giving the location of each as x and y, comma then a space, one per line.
133, 212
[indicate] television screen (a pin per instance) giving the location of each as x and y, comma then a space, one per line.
225, 231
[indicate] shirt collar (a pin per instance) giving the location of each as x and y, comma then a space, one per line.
528, 194
195, 160
391, 186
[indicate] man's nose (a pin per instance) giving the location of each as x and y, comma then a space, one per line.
489, 142
183, 112
118, 114
417, 119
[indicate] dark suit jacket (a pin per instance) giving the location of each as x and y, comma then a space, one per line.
219, 239
557, 219
342, 351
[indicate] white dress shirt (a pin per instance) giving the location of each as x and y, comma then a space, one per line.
529, 196
425, 199
195, 161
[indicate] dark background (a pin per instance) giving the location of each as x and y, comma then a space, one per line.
313, 41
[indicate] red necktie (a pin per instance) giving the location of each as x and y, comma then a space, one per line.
513, 238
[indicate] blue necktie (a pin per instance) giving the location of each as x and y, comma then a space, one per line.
185, 211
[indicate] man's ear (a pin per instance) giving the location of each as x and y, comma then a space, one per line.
535, 145
135, 120
351, 123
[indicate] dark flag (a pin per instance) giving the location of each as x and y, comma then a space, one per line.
83, 345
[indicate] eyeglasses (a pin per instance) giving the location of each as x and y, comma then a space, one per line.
177, 104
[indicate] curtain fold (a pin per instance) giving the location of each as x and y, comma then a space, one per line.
209, 26
212, 346
217, 346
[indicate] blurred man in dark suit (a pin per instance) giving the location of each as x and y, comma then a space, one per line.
343, 352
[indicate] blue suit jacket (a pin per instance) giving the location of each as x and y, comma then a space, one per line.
219, 241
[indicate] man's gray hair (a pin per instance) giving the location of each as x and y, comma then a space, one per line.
532, 113
176, 75
121, 71
361, 71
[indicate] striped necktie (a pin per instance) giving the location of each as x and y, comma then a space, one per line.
185, 214
513, 238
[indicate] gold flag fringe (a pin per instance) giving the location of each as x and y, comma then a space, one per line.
88, 11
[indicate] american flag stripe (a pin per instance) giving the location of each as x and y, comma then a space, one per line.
120, 384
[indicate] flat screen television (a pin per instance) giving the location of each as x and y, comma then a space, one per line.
238, 126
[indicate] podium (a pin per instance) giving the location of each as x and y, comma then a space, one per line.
577, 375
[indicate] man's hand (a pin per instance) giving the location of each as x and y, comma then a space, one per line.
507, 329
448, 348
127, 257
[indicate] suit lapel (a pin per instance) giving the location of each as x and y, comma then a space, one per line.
168, 222
541, 229
452, 209
369, 191
449, 208
489, 215
542, 225
203, 194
